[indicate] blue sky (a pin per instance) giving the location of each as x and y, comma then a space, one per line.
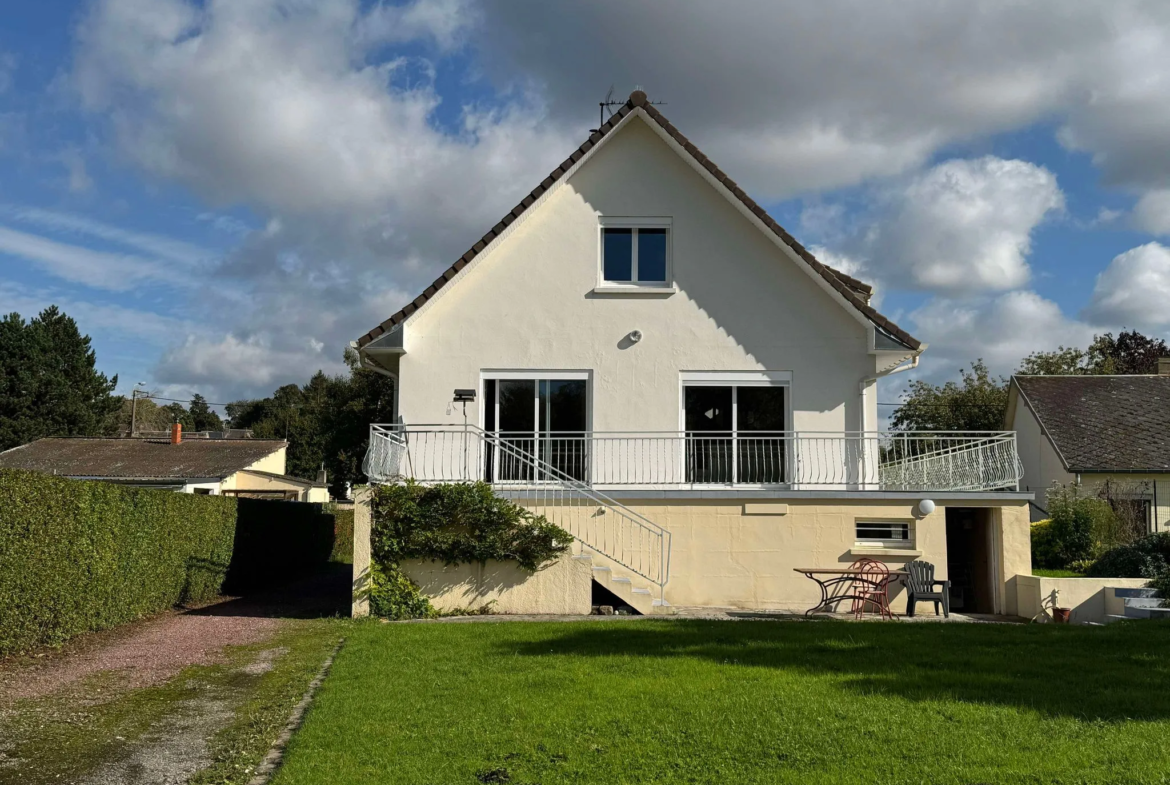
223, 194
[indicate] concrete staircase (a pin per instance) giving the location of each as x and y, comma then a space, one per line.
1139, 604
633, 590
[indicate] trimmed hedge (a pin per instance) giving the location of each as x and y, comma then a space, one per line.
342, 535
1148, 557
79, 556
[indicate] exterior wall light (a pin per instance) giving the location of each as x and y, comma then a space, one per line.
925, 507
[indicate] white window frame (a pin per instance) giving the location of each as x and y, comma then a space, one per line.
635, 223
902, 545
735, 380
536, 375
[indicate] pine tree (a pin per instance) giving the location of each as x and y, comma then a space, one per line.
49, 383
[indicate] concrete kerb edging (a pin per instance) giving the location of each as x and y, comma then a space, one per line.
275, 756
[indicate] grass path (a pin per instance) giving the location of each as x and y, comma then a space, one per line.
742, 702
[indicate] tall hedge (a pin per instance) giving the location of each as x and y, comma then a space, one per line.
79, 556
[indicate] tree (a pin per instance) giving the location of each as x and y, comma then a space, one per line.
978, 404
326, 421
202, 417
49, 383
1129, 353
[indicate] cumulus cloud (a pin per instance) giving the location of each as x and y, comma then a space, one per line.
291, 108
963, 225
791, 97
1002, 329
1134, 290
1152, 212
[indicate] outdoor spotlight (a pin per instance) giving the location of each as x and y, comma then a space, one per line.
925, 507
464, 396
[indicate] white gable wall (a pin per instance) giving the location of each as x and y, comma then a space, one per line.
741, 305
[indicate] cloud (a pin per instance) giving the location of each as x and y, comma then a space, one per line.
1001, 329
116, 272
95, 318
1152, 212
1134, 290
964, 225
70, 224
8, 64
796, 97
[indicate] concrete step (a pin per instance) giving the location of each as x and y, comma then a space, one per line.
1160, 613
1114, 617
1137, 613
1142, 602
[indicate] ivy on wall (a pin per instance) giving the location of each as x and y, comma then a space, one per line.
455, 523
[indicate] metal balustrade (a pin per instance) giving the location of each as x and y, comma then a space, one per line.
442, 454
886, 461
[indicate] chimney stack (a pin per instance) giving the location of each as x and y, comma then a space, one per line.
1164, 366
176, 433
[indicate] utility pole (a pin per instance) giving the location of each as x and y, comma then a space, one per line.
134, 407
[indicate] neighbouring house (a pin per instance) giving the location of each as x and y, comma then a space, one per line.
640, 352
1110, 434
233, 467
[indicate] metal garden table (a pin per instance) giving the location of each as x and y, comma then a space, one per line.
838, 584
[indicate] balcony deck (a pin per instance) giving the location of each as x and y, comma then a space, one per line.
701, 463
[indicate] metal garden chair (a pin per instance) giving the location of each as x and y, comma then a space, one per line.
871, 588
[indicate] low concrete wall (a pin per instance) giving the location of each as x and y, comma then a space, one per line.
564, 587
1087, 597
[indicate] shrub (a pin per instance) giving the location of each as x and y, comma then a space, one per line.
1148, 557
78, 556
1127, 561
455, 523
342, 535
1077, 523
1044, 546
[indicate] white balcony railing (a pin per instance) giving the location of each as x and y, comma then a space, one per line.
875, 461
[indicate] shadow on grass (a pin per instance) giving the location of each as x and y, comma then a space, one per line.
1120, 672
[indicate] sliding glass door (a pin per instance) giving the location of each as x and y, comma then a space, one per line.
735, 433
541, 422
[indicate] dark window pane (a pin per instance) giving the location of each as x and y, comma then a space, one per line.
761, 408
618, 254
708, 425
761, 457
517, 425
563, 419
652, 255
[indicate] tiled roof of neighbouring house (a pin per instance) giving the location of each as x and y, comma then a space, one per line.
854, 291
140, 459
1104, 423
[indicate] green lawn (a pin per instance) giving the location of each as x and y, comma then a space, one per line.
1042, 573
740, 702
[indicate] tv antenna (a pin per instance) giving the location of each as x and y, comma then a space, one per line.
608, 106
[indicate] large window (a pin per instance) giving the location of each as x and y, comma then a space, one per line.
541, 422
635, 252
736, 432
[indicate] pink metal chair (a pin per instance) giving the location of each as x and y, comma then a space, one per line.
870, 587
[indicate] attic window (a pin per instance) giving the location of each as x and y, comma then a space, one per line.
635, 252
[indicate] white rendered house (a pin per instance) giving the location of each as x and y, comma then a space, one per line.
664, 371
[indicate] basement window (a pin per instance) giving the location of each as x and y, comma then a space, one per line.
635, 252
884, 534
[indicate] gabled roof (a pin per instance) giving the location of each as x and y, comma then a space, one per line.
852, 290
1103, 423
140, 459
